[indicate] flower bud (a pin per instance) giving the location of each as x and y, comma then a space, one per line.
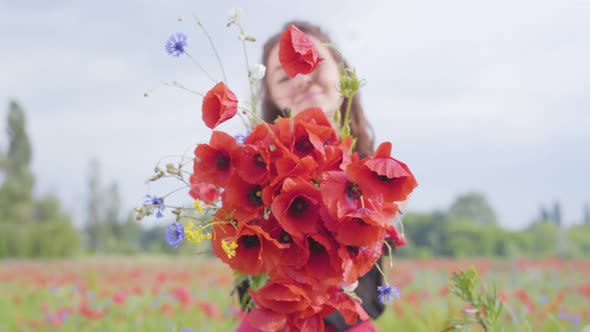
171, 169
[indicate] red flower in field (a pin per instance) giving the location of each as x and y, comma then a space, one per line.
297, 53
182, 295
210, 309
219, 105
213, 162
86, 311
251, 163
297, 207
120, 297
380, 174
205, 192
243, 199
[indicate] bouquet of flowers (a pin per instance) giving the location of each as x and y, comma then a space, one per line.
289, 207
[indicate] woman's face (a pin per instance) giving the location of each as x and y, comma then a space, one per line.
317, 89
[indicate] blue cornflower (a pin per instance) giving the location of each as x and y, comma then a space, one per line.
186, 329
240, 138
175, 234
385, 293
176, 43
157, 202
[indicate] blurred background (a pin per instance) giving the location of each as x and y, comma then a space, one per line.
487, 102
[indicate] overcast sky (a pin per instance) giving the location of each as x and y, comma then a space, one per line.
476, 96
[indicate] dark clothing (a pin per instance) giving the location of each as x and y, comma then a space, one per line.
367, 291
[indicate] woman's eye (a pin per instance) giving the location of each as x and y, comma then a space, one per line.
284, 79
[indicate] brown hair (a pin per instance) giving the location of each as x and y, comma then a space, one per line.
359, 126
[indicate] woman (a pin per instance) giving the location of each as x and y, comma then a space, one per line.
281, 94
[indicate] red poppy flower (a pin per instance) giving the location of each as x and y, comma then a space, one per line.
304, 139
219, 105
251, 163
315, 116
296, 208
357, 261
380, 174
266, 320
297, 53
288, 167
243, 199
311, 323
293, 253
323, 267
282, 296
351, 310
339, 194
205, 192
338, 156
213, 162
395, 236
342, 197
256, 251
360, 228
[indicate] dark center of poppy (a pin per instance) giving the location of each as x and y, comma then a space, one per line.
303, 145
359, 222
315, 247
384, 178
353, 251
298, 207
255, 195
222, 161
353, 191
250, 241
285, 237
259, 161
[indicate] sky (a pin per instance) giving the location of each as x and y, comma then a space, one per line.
492, 97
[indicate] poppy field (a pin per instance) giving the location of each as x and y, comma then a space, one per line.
180, 294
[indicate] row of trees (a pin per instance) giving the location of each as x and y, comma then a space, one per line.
39, 227
29, 226
469, 229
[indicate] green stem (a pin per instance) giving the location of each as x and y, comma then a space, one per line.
252, 95
201, 67
347, 116
213, 47
382, 273
180, 86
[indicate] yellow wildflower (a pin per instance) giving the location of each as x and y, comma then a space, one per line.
229, 248
195, 236
197, 205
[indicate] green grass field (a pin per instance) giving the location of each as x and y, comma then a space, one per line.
170, 294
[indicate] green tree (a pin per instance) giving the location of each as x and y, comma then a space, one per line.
29, 227
17, 189
94, 229
473, 207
